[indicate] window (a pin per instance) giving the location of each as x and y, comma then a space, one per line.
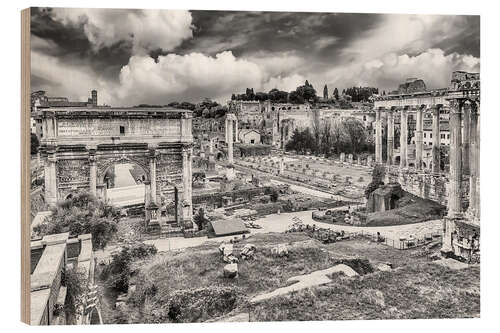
252, 141
425, 135
122, 130
443, 136
447, 136
430, 135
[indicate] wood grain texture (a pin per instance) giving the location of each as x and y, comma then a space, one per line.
25, 164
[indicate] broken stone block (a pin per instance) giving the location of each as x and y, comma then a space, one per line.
280, 251
248, 251
231, 271
383, 267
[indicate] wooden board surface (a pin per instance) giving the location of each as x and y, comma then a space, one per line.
25, 164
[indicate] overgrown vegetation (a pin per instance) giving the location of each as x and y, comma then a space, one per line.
415, 291
82, 214
77, 287
118, 272
189, 286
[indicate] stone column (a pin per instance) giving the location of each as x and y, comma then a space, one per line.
390, 136
419, 140
236, 130
187, 185
152, 172
147, 199
478, 162
455, 186
466, 140
230, 142
403, 138
436, 140
50, 180
378, 136
93, 175
474, 163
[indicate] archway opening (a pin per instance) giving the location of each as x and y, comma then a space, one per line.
124, 187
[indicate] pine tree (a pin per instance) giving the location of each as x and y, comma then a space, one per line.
336, 93
325, 92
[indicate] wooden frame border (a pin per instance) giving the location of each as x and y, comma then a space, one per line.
25, 165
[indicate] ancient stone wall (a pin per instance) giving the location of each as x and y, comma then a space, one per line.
425, 184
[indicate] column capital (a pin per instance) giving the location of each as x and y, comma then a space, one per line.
474, 107
153, 152
456, 105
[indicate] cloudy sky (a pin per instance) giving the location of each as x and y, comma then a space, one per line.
159, 56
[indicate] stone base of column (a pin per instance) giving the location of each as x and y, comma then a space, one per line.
449, 227
230, 173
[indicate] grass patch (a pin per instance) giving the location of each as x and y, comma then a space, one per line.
421, 291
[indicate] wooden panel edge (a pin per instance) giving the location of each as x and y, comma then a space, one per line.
25, 164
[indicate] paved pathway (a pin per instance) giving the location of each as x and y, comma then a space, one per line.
123, 177
281, 222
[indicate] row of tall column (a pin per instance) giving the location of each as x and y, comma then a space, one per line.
464, 152
464, 157
403, 143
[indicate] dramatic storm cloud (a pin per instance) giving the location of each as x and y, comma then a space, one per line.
155, 57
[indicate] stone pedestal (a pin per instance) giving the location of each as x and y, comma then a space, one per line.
101, 192
50, 180
230, 173
369, 161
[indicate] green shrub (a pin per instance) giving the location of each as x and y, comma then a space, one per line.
82, 214
119, 271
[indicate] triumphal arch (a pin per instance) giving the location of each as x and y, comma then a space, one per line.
80, 144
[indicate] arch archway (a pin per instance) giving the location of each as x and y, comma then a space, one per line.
82, 145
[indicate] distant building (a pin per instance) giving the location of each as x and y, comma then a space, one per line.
40, 100
249, 136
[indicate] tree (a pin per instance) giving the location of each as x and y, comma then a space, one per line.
296, 98
336, 94
325, 92
278, 96
82, 214
35, 144
355, 133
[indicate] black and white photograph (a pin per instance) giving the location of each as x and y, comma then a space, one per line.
202, 166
